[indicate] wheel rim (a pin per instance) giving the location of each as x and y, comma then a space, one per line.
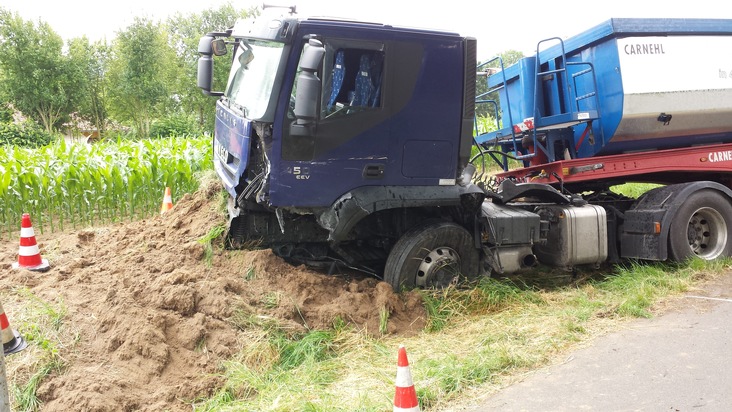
439, 268
707, 233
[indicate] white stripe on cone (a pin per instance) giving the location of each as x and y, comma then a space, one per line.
27, 232
404, 377
28, 250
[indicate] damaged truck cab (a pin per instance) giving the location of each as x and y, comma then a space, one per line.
335, 138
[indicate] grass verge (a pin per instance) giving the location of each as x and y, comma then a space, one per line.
477, 340
41, 325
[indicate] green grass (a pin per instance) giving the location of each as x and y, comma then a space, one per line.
26, 397
383, 320
633, 190
251, 274
42, 326
302, 363
207, 241
488, 296
477, 340
642, 284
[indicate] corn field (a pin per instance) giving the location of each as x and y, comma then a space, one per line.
67, 185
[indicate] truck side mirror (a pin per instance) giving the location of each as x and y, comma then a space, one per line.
307, 97
205, 46
205, 64
219, 47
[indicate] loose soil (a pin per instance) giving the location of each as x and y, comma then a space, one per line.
155, 317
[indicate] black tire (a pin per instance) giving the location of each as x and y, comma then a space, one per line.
432, 255
701, 227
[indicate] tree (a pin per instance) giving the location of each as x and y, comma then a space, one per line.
508, 58
185, 33
91, 60
36, 77
141, 74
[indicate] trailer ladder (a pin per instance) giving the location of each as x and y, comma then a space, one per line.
556, 92
558, 108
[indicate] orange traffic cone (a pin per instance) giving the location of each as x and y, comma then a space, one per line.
167, 201
405, 397
29, 257
12, 341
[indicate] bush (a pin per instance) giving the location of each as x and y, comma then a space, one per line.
177, 125
6, 113
119, 133
27, 134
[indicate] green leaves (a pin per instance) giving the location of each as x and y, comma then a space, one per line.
25, 135
38, 78
146, 73
80, 184
178, 125
184, 33
140, 75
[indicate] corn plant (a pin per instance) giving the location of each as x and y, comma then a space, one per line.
77, 185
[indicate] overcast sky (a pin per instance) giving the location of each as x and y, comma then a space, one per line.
495, 24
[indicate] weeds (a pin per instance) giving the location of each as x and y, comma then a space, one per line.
207, 241
272, 300
250, 275
383, 320
26, 397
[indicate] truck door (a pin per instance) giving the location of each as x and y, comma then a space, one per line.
347, 146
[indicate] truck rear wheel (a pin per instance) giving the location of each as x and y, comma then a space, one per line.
702, 227
432, 255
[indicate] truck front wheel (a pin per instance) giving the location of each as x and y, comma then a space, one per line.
432, 255
702, 227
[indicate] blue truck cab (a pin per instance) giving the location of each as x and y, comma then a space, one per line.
329, 128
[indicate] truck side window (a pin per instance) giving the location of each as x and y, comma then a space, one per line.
352, 81
351, 97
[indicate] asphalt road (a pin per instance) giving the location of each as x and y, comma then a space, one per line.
678, 361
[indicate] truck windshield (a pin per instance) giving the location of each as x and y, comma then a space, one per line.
252, 76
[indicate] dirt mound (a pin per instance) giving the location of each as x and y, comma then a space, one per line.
156, 315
